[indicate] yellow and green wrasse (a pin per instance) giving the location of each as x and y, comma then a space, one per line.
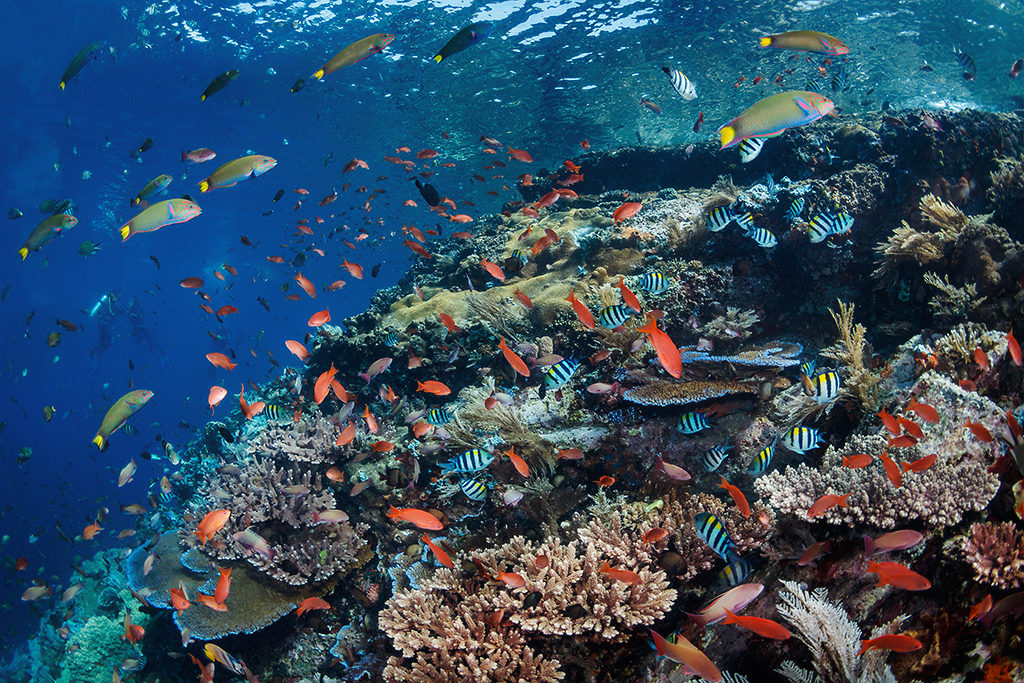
123, 408
356, 52
219, 83
161, 214
233, 172
774, 114
807, 41
152, 187
46, 231
78, 62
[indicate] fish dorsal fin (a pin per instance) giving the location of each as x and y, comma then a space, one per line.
802, 103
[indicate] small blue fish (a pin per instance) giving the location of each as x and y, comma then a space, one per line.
556, 376
691, 423
475, 489
801, 439
715, 456
391, 339
614, 316
762, 460
472, 460
711, 531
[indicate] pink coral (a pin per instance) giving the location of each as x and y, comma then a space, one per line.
996, 551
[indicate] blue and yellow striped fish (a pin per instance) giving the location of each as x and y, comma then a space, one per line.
715, 456
762, 236
613, 316
823, 388
719, 218
691, 423
711, 531
556, 376
801, 439
438, 416
735, 571
472, 460
653, 283
762, 460
475, 489
275, 414
521, 255
794, 210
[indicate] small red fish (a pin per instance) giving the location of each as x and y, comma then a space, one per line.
737, 496
511, 579
493, 269
628, 297
604, 481
905, 441
1014, 349
826, 503
893, 641
698, 123
442, 557
623, 575
655, 535
919, 465
911, 428
924, 411
890, 422
979, 610
582, 312
513, 359
523, 299
892, 573
979, 430
857, 461
311, 604
981, 358
759, 625
585, 144
520, 155
625, 211
517, 462
892, 470
812, 552
320, 318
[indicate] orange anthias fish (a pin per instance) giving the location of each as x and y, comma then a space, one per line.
221, 361
605, 480
449, 323
320, 318
347, 435
625, 211
892, 573
306, 285
211, 602
323, 384
213, 522
311, 604
419, 518
517, 462
857, 461
354, 269
919, 465
1014, 349
513, 359
981, 609
179, 599
684, 652
493, 269
760, 626
892, 470
523, 299
89, 532
923, 410
826, 503
655, 535
442, 557
217, 395
628, 296
297, 348
668, 352
981, 358
220, 593
623, 575
511, 579
892, 641
433, 387
133, 633
582, 312
890, 422
371, 421
737, 496
249, 410
520, 155
979, 430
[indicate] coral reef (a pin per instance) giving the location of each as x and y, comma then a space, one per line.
996, 552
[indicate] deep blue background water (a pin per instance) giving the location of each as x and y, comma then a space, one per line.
551, 74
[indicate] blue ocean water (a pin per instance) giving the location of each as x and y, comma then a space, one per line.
550, 74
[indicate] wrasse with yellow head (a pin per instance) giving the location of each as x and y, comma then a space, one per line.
774, 114
46, 231
807, 41
237, 170
155, 185
356, 52
118, 415
161, 214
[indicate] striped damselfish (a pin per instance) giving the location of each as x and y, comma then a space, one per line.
472, 460
711, 531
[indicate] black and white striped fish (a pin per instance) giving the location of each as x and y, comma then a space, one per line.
521, 255
839, 81
438, 416
129, 429
712, 532
823, 388
561, 372
274, 413
715, 456
808, 367
763, 237
613, 316
801, 439
750, 148
691, 423
391, 339
829, 223
653, 283
815, 86
794, 210
680, 83
475, 489
472, 460
719, 218
762, 460
735, 571
965, 62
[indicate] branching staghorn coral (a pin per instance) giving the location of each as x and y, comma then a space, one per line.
996, 551
833, 639
951, 303
851, 350
735, 324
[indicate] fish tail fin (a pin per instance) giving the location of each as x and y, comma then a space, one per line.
730, 618
204, 186
766, 41
99, 442
438, 58
319, 74
62, 85
23, 253
126, 232
727, 134
183, 156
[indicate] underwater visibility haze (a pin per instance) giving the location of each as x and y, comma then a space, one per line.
525, 340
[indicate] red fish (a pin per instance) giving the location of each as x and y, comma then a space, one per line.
1014, 349
300, 351
625, 211
585, 144
523, 299
892, 641
892, 573
924, 411
493, 269
306, 285
760, 626
511, 579
449, 323
893, 540
420, 518
683, 652
582, 312
979, 431
221, 361
628, 296
311, 604
892, 470
354, 269
179, 600
890, 422
323, 384
919, 465
855, 462
905, 441
826, 503
371, 421
698, 123
812, 552
981, 609
517, 462
911, 427
319, 318
433, 387
249, 410
211, 523
570, 453
347, 435
668, 352
220, 593
513, 359
623, 575
737, 496
981, 358
442, 557
520, 155
655, 535
217, 395
192, 282
604, 481
226, 310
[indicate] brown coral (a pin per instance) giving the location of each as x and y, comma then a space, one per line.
661, 393
996, 551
